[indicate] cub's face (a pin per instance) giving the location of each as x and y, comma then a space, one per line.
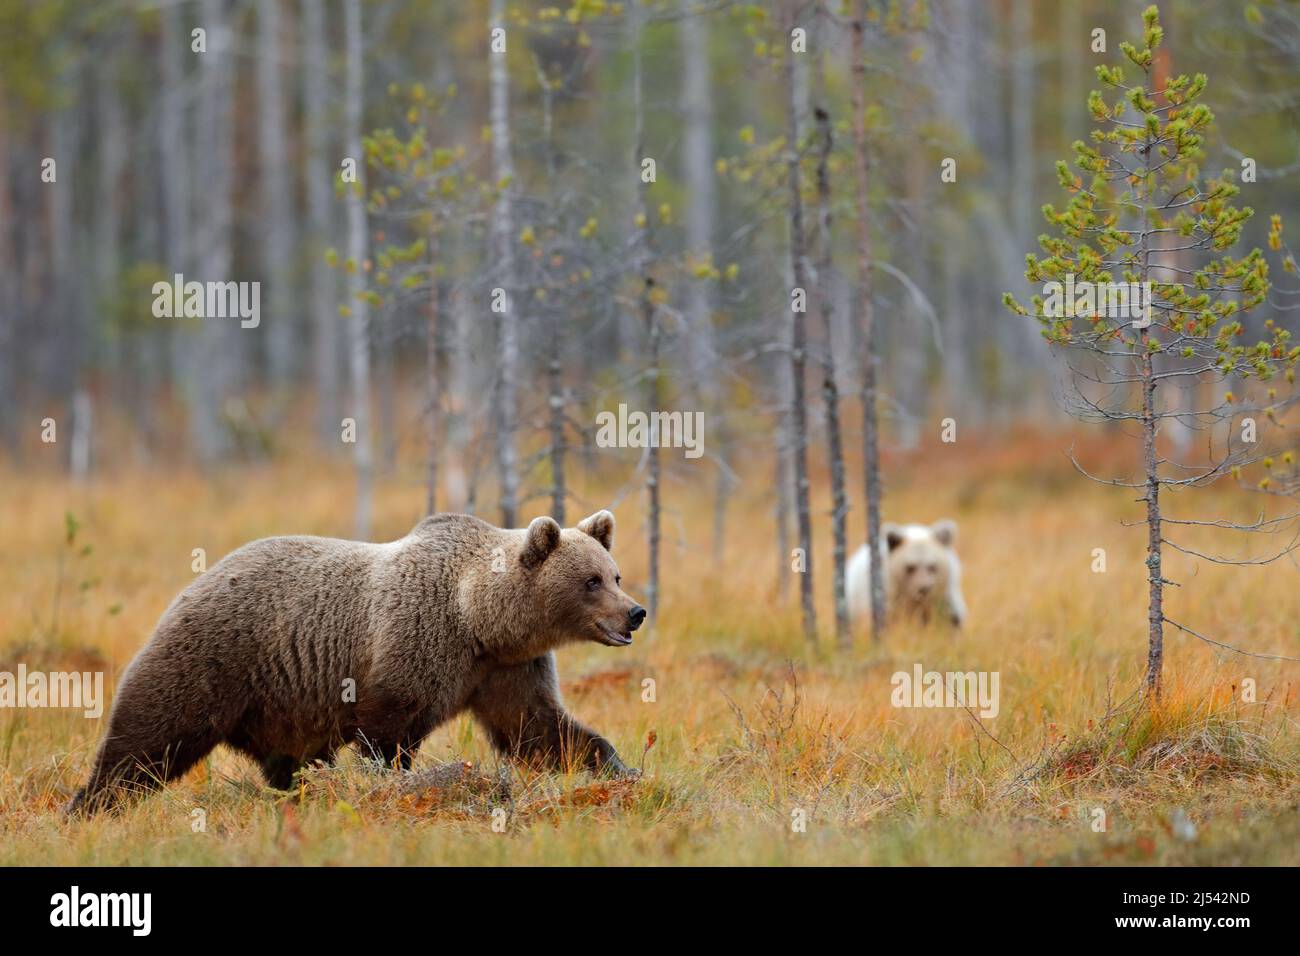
578, 581
920, 561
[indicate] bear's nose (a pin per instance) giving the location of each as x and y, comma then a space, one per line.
635, 617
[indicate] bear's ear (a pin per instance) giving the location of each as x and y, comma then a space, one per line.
945, 532
543, 536
893, 535
601, 527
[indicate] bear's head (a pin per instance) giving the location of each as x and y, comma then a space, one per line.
920, 562
577, 582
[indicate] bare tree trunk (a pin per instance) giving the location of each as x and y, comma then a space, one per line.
1151, 465
213, 148
1071, 41
555, 341
324, 287
867, 329
798, 345
701, 214
830, 388
434, 382
276, 195
70, 349
503, 243
173, 142
644, 257
9, 317
82, 431
357, 252
1021, 144
111, 125
782, 463
559, 445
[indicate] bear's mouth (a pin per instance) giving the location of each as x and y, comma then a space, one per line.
611, 637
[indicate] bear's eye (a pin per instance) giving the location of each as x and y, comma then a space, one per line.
911, 569
932, 568
618, 579
593, 584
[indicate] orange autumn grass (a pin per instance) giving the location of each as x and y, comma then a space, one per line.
765, 750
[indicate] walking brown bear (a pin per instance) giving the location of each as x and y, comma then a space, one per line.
291, 647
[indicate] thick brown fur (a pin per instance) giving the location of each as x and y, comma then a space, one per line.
292, 647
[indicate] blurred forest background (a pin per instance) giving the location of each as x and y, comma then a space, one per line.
128, 157
523, 172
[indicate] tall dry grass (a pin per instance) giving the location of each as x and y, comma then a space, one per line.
752, 729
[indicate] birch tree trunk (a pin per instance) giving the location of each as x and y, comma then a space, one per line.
1021, 144
433, 380
701, 217
173, 143
110, 120
504, 400
276, 196
555, 402
830, 388
798, 346
359, 322
555, 340
643, 258
9, 319
319, 193
213, 145
867, 326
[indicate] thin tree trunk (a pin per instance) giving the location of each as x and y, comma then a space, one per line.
434, 381
555, 343
798, 359
1023, 98
319, 189
867, 337
830, 388
213, 149
503, 242
9, 317
1151, 463
276, 195
357, 252
701, 215
111, 125
644, 257
70, 349
559, 445
173, 142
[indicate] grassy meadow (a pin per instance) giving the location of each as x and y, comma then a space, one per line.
750, 728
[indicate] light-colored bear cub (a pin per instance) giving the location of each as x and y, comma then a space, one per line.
922, 573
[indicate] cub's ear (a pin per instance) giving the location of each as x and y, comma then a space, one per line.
945, 532
893, 535
601, 527
541, 539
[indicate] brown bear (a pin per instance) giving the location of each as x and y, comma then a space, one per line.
291, 647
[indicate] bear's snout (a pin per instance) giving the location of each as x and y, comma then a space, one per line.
635, 617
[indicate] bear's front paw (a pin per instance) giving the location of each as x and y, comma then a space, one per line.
612, 766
